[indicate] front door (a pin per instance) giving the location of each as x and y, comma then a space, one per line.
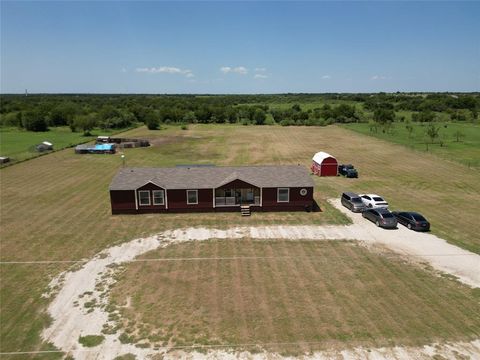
247, 196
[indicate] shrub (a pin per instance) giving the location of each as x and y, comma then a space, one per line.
34, 121
286, 122
91, 340
11, 119
259, 116
424, 116
126, 339
152, 123
128, 356
270, 121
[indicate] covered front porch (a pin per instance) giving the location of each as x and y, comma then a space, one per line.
237, 196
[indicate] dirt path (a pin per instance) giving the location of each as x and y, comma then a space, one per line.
73, 314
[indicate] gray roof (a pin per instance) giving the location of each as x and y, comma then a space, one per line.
212, 177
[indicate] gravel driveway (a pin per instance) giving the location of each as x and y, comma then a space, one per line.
441, 255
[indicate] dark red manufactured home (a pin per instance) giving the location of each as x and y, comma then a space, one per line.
188, 189
324, 164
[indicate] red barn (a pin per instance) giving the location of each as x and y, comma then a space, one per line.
187, 189
324, 164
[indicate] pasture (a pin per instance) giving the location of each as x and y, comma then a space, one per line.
56, 207
465, 149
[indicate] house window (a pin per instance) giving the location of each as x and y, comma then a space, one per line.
283, 195
158, 198
192, 197
144, 198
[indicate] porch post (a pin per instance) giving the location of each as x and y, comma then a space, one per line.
261, 197
213, 200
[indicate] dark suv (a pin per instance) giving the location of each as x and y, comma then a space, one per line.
348, 171
353, 202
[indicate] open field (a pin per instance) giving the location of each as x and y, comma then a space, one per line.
20, 144
465, 151
316, 295
65, 213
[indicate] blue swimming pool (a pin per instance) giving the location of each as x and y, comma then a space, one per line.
104, 147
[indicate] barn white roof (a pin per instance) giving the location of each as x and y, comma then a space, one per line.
320, 156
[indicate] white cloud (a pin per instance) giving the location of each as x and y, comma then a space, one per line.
167, 70
326, 77
123, 70
379, 77
242, 70
260, 69
260, 76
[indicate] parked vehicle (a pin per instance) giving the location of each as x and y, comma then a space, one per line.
352, 201
373, 201
348, 171
412, 220
381, 217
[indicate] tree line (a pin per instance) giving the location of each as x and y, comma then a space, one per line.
85, 112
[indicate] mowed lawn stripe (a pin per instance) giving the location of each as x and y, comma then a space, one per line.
239, 292
415, 303
263, 296
303, 267
282, 290
341, 295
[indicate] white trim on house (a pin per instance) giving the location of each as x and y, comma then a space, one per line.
196, 195
136, 200
151, 182
163, 197
149, 199
261, 196
166, 199
213, 200
278, 195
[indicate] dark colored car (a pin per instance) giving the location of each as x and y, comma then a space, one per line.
348, 171
381, 217
412, 220
353, 202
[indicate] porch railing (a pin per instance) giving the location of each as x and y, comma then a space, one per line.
230, 201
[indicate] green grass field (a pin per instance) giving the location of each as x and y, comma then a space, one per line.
56, 207
20, 144
465, 151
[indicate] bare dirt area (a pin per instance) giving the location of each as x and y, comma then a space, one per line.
81, 297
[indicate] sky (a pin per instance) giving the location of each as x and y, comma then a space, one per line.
239, 47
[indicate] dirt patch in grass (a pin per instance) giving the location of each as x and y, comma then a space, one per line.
166, 139
307, 295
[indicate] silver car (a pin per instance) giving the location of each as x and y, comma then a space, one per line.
353, 202
381, 217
